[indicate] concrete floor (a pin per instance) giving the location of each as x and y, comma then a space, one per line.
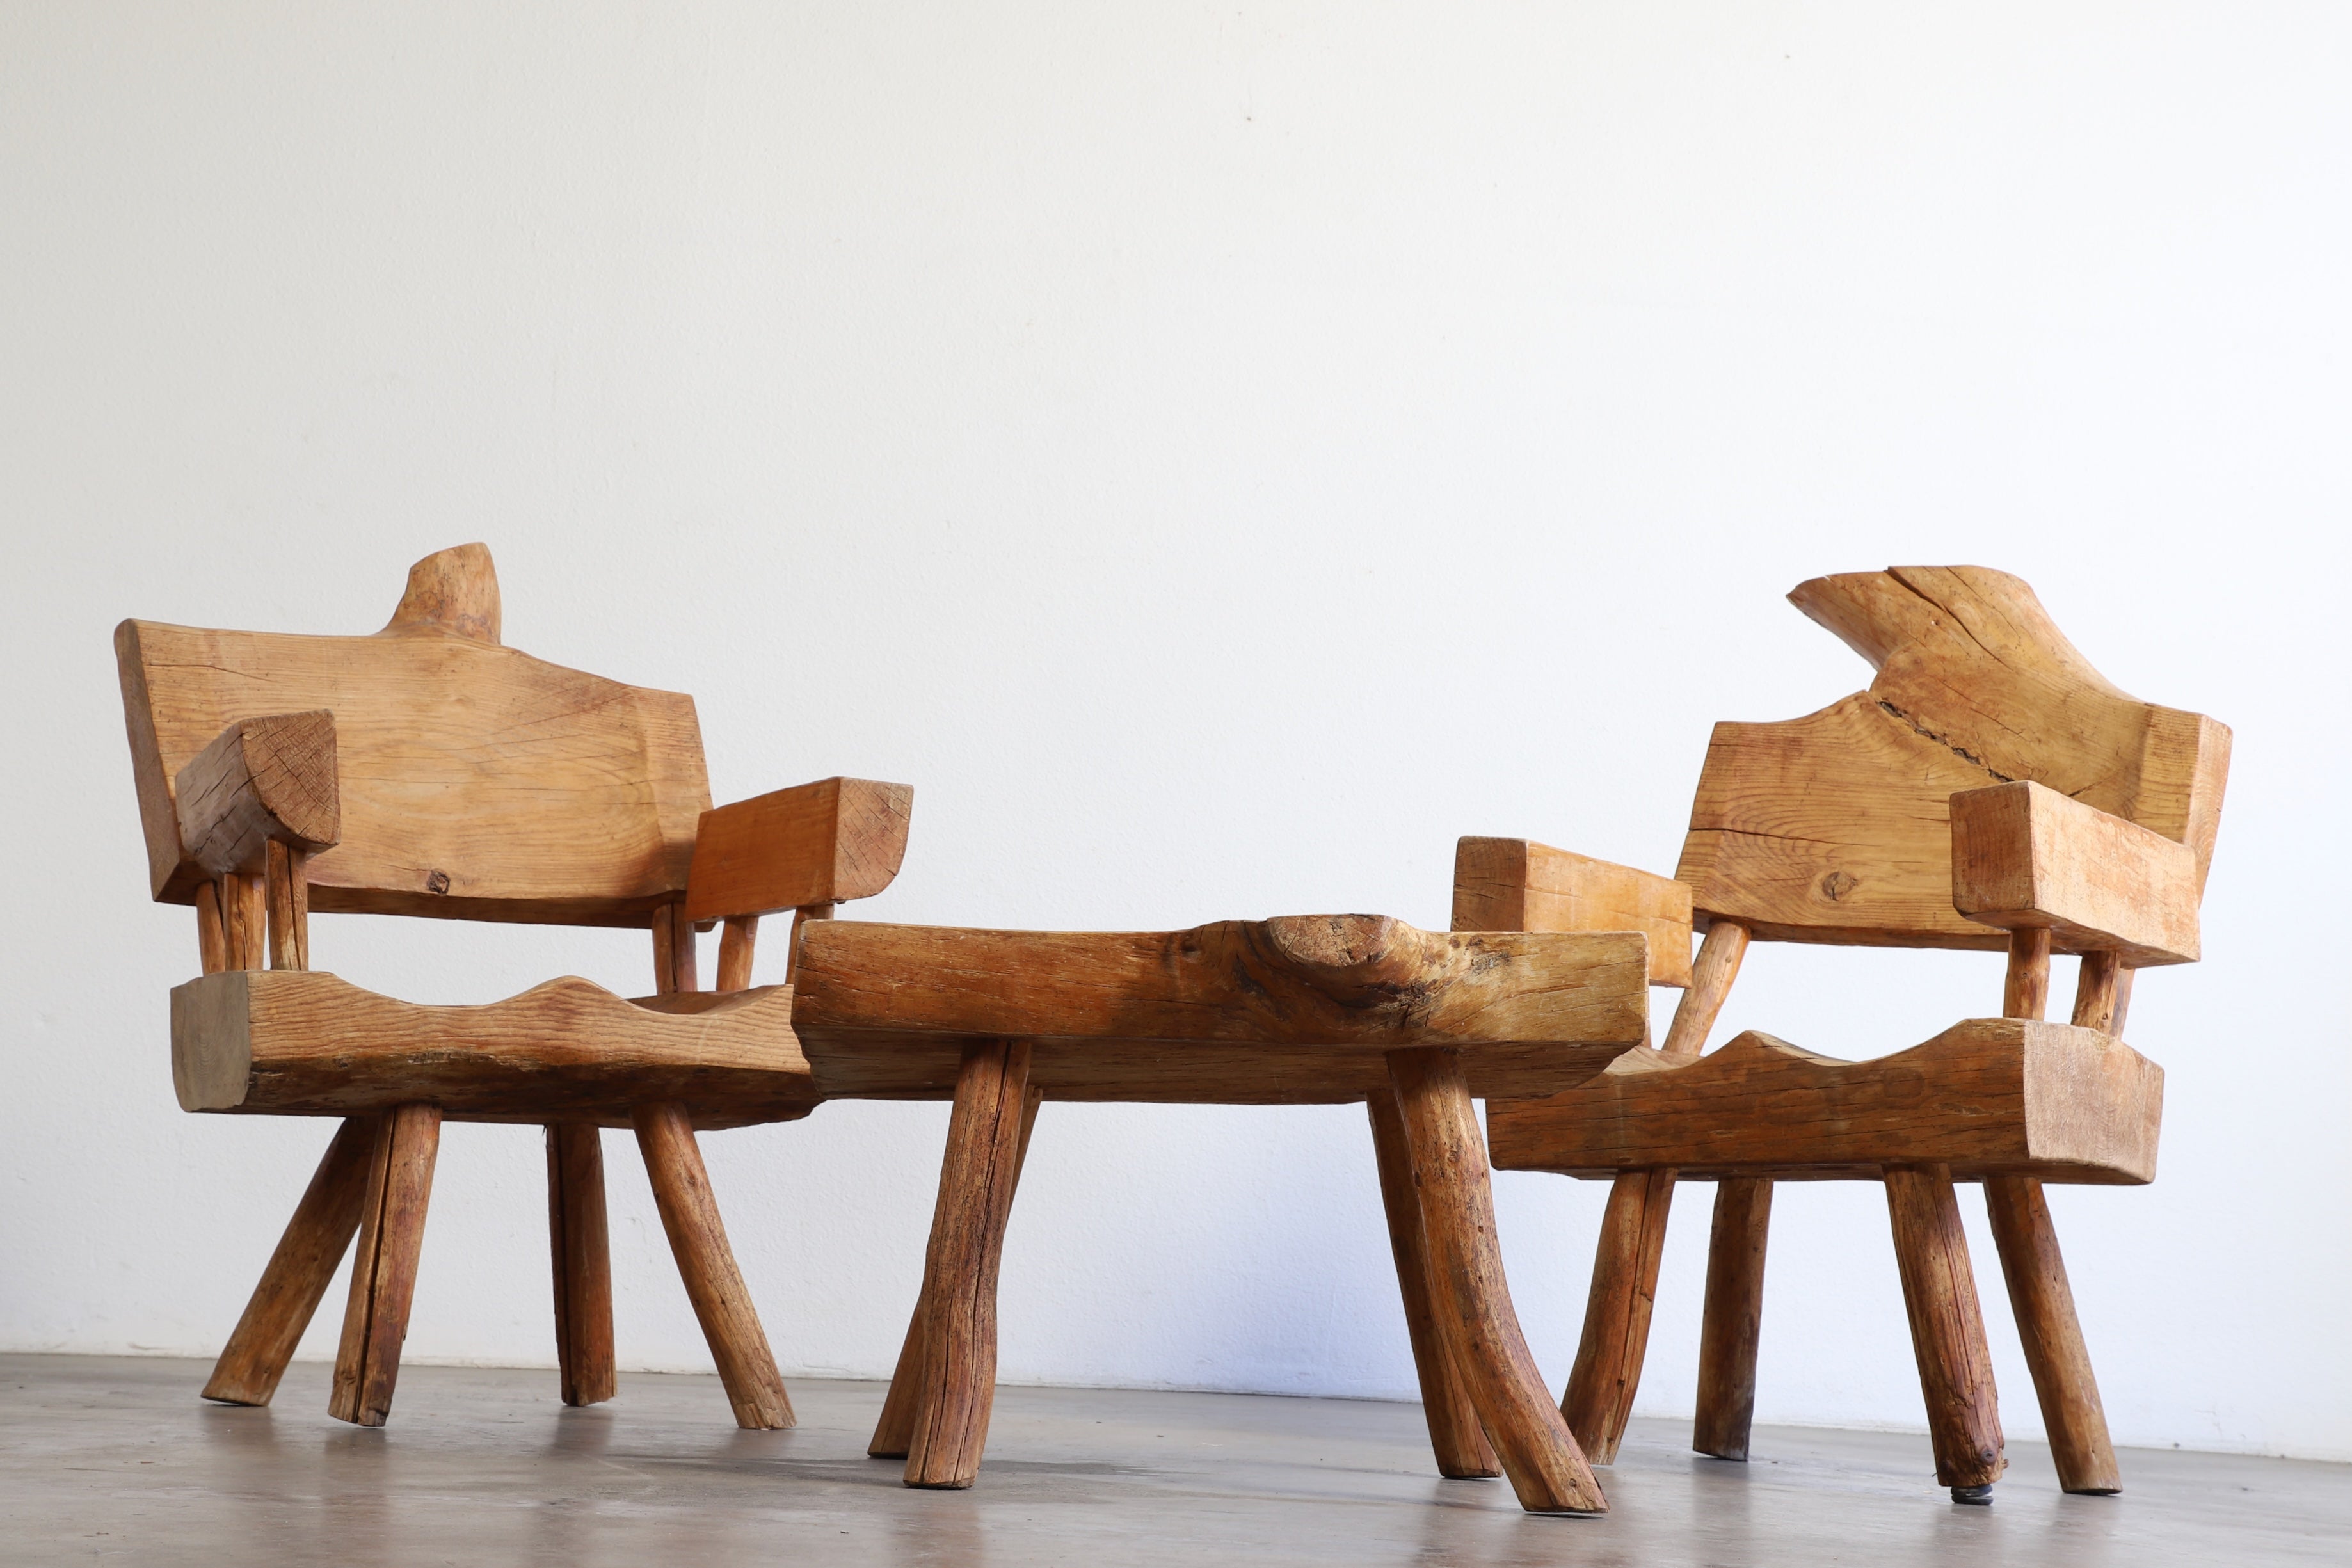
106, 1458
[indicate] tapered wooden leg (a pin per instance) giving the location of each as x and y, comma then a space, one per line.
1939, 1292
298, 1272
1734, 1314
977, 1177
699, 1241
1454, 1434
384, 1269
1472, 1301
1600, 1397
584, 1262
2044, 1307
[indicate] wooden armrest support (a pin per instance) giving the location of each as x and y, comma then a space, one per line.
1516, 884
2025, 855
816, 844
261, 779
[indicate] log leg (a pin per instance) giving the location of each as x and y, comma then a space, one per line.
699, 1241
894, 1432
1600, 1397
383, 1271
298, 1272
584, 1262
976, 1182
1734, 1315
1939, 1292
2061, 1363
1472, 1301
1460, 1444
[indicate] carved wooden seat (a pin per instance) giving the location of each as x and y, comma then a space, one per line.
1990, 791
427, 769
1308, 1009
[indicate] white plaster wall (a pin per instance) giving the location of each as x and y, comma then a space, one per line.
1219, 455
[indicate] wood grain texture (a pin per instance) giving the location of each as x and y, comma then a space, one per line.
211, 937
1609, 1354
1516, 884
894, 1432
384, 1269
815, 844
288, 895
287, 1042
1243, 1012
1733, 1318
580, 1250
1712, 973
2023, 856
244, 919
453, 590
1472, 1301
2097, 1000
2025, 983
1834, 827
2043, 1303
689, 1215
1939, 1293
1987, 1097
1455, 1435
475, 781
260, 781
977, 1178
298, 1271
736, 944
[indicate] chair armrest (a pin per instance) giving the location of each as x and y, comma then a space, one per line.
1516, 884
2025, 855
815, 844
260, 779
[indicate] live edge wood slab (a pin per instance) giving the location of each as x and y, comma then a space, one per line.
1296, 1010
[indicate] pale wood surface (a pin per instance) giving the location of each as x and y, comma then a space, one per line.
2098, 993
1242, 1012
1987, 1097
1454, 1434
383, 1269
476, 782
978, 1175
2023, 855
2043, 1304
1939, 1293
1609, 1352
815, 844
2025, 982
1834, 827
689, 1215
1733, 1317
1547, 1472
298, 1271
1516, 884
264, 780
581, 1252
293, 1043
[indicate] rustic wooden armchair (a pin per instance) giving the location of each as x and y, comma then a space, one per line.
428, 770
1990, 791
1302, 1010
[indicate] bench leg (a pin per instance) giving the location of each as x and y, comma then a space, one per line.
1734, 1315
384, 1269
584, 1262
1472, 1301
977, 1176
1939, 1292
1600, 1397
2061, 1363
299, 1270
1454, 1434
894, 1432
699, 1241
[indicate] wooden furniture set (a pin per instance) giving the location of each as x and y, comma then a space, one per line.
428, 770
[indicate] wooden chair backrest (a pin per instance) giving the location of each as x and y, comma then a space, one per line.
477, 782
1834, 827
